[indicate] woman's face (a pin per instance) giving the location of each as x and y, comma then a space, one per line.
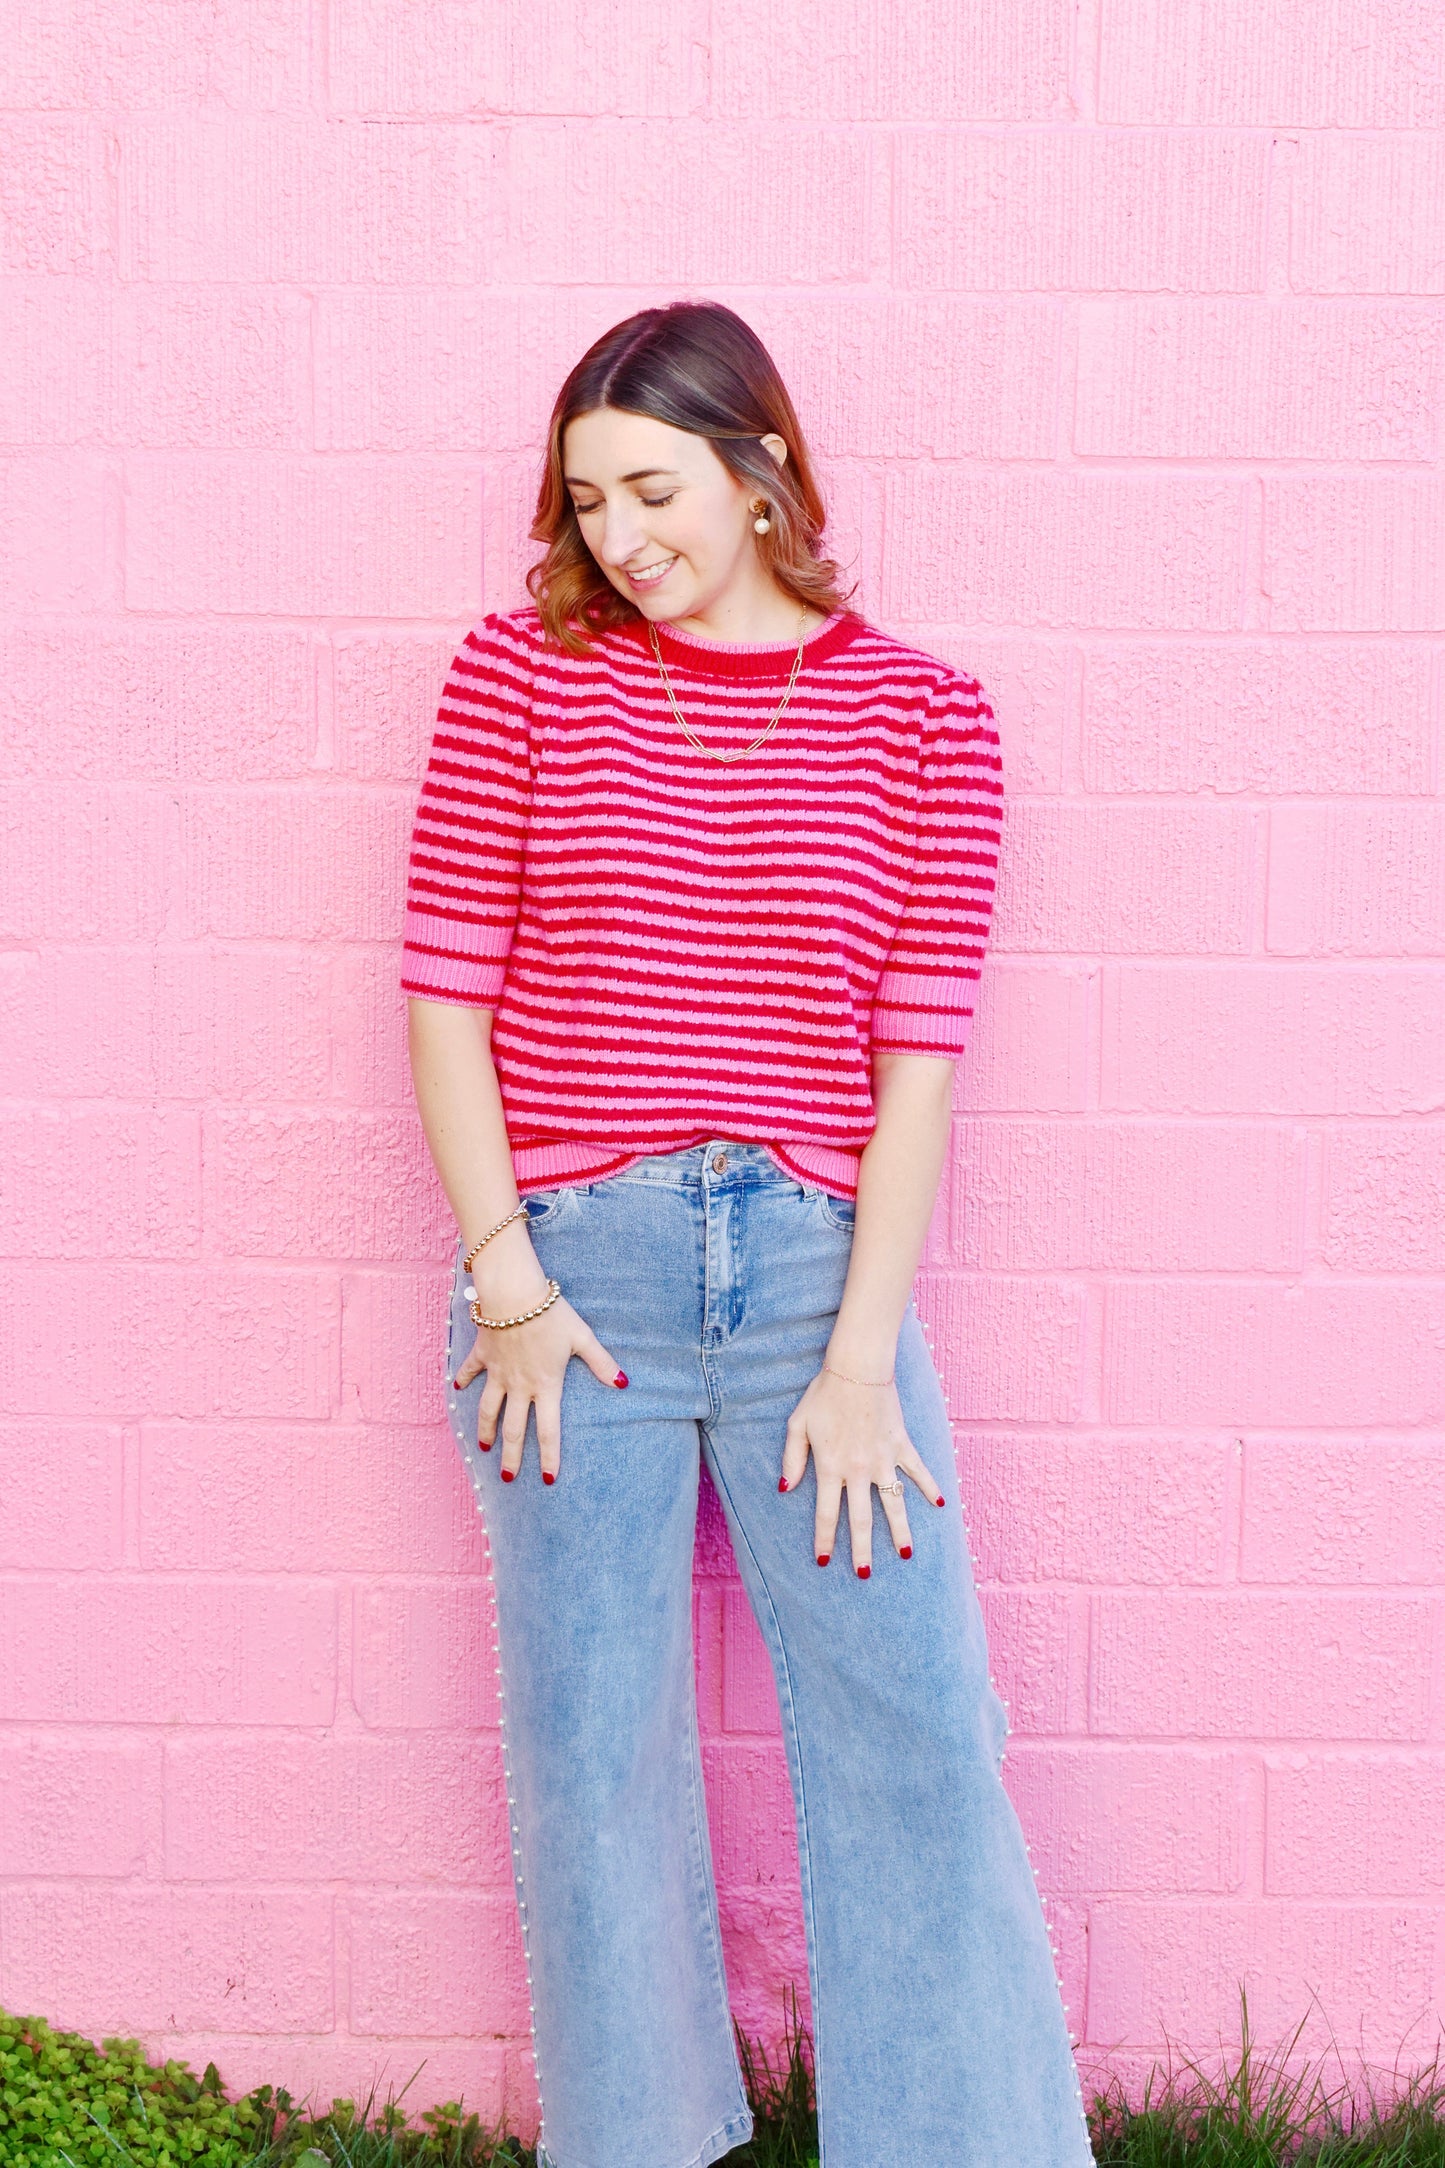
667, 523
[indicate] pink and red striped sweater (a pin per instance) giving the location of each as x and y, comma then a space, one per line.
678, 949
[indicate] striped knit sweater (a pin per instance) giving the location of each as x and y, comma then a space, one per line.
676, 948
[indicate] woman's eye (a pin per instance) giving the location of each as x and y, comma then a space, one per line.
584, 511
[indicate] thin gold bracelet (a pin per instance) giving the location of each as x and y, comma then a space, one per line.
858, 1381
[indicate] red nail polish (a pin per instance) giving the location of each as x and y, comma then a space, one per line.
907, 1551
620, 1379
782, 1482
548, 1478
456, 1385
506, 1475
825, 1557
940, 1501
863, 1572
485, 1444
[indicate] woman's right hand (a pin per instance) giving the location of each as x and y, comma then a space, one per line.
525, 1364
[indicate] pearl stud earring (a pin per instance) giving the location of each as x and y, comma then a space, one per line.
762, 523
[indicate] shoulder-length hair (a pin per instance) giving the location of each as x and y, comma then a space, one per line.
698, 366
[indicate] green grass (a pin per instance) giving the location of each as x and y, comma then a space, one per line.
1271, 2110
65, 2103
780, 2094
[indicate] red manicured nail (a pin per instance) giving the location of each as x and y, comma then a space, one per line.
621, 1378
940, 1501
548, 1478
825, 1557
863, 1572
456, 1385
507, 1475
907, 1551
782, 1482
485, 1444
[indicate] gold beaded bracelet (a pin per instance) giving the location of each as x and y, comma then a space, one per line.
474, 1307
499, 1324
471, 1253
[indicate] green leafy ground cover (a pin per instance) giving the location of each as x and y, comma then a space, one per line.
66, 2103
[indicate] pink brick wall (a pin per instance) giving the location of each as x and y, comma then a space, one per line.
1118, 326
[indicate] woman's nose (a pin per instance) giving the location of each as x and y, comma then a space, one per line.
622, 537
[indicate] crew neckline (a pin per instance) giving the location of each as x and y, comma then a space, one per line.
730, 658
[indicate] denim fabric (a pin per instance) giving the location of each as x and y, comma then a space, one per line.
941, 2039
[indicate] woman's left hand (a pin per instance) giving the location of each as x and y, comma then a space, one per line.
857, 1438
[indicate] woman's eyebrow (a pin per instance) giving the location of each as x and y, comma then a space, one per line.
638, 474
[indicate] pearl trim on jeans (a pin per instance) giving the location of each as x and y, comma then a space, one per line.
474, 1475
1008, 1734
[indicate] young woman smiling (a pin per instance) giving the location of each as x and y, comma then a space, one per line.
701, 877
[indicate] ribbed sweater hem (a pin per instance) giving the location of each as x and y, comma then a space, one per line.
565, 1162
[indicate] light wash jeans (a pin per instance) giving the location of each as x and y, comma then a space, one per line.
940, 2035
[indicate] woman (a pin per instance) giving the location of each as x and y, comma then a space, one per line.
701, 877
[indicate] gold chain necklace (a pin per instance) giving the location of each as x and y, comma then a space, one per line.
687, 730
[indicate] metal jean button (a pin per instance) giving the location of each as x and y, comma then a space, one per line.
719, 1162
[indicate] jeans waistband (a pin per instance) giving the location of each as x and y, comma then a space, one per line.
749, 1166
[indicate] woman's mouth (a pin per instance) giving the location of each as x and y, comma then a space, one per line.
649, 575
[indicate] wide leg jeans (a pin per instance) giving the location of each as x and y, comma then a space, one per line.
940, 2035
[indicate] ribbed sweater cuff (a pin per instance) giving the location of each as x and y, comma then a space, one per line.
453, 958
916, 1014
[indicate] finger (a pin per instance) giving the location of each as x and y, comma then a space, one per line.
469, 1368
514, 1433
825, 1518
549, 1437
897, 1518
910, 1465
599, 1361
860, 1527
489, 1407
795, 1453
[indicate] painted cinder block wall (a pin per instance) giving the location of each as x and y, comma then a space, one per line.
1117, 325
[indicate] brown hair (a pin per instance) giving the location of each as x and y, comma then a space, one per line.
698, 366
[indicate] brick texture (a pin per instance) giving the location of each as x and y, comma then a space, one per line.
1371, 211
1256, 380
1354, 553
65, 1487
1105, 1818
1168, 1963
1132, 1507
1353, 1512
1084, 210
1117, 335
1340, 64
1005, 60
1260, 718
1357, 880
386, 57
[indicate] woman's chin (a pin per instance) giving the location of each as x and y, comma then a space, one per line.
656, 604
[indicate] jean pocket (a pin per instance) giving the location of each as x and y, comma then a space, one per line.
838, 1212
542, 1203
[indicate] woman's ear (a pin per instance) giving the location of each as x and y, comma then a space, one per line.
776, 445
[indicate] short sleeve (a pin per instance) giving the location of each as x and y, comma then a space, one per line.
464, 878
924, 1001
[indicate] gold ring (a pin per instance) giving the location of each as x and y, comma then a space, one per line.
891, 1490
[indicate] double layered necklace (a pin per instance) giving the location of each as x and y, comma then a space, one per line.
686, 727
